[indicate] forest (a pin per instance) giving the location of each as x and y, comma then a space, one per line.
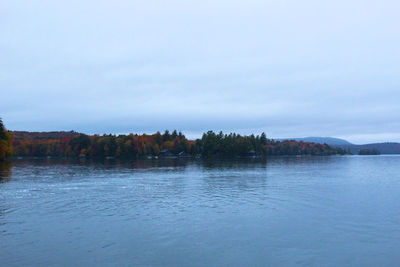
5, 142
167, 144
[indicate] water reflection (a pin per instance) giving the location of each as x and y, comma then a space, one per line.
5, 171
209, 164
104, 163
162, 165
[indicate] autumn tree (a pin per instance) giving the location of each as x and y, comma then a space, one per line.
5, 142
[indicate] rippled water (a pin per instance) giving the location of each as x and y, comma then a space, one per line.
328, 211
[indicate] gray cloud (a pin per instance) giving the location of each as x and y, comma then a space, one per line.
288, 68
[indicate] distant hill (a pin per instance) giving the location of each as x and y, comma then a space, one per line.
383, 148
321, 140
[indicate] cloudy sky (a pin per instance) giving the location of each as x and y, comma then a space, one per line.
289, 68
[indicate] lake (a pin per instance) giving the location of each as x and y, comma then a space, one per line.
285, 211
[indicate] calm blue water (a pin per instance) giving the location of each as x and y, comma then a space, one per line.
311, 211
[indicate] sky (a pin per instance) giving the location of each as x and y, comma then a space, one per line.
287, 68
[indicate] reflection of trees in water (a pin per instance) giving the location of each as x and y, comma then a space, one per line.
108, 164
5, 171
160, 163
141, 164
5, 176
173, 163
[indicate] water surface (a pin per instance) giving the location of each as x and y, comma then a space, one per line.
328, 211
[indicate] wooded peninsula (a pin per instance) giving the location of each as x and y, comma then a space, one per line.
168, 144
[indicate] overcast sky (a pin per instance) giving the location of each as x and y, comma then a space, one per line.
289, 68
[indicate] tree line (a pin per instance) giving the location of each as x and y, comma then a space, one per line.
5, 142
369, 152
210, 145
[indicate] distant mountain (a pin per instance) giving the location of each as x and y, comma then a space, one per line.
383, 148
321, 140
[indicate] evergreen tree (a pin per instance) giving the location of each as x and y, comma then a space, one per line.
166, 136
